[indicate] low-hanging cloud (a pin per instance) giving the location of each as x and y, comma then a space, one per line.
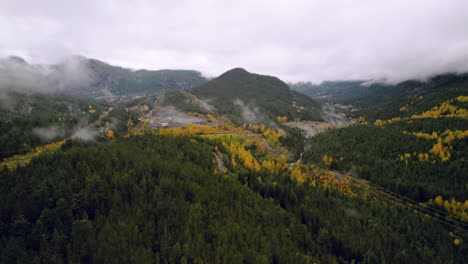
50, 132
295, 40
249, 113
19, 76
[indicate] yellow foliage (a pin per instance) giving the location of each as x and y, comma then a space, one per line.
439, 200
238, 152
462, 99
425, 135
281, 119
23, 159
297, 174
192, 130
212, 118
327, 160
110, 134
452, 206
362, 120
457, 241
445, 110
441, 151
273, 136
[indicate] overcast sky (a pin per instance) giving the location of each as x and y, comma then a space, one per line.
294, 40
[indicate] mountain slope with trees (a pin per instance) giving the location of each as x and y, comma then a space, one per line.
252, 97
101, 203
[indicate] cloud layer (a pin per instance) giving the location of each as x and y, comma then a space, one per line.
294, 40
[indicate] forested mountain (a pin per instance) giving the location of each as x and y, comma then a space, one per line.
123, 81
380, 100
78, 75
248, 97
415, 142
217, 174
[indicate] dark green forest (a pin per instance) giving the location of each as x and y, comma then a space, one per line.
372, 152
156, 199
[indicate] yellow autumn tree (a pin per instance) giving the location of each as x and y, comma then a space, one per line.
281, 119
327, 160
110, 134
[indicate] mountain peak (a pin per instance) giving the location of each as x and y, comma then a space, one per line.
235, 72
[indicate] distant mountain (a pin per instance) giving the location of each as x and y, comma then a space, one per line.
123, 81
378, 100
82, 76
248, 97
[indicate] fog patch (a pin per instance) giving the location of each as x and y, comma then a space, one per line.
335, 119
49, 133
19, 76
86, 134
249, 113
206, 106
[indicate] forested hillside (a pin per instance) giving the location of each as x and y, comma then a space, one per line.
421, 155
77, 75
248, 97
378, 100
101, 203
124, 81
30, 120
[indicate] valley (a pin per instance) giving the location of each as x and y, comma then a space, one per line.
281, 176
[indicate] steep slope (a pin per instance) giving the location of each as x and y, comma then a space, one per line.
251, 97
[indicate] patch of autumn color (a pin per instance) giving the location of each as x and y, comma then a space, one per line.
462, 99
273, 136
457, 241
238, 152
428, 136
441, 148
22, 160
274, 165
451, 136
361, 120
281, 119
91, 109
322, 178
110, 134
192, 130
445, 110
443, 152
452, 206
268, 133
297, 174
327, 160
212, 118
382, 123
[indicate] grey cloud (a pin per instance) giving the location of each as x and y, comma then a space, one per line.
86, 134
49, 133
249, 113
294, 40
18, 75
